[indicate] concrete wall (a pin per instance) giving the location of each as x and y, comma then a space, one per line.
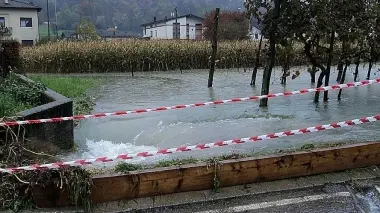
60, 134
12, 19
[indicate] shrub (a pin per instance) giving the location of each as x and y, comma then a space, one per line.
9, 56
17, 95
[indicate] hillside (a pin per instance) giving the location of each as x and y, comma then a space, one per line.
127, 15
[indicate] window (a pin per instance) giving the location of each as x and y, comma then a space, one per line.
198, 31
256, 36
26, 22
188, 31
27, 42
176, 30
151, 33
2, 22
156, 33
145, 31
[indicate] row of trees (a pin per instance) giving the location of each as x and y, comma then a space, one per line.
350, 28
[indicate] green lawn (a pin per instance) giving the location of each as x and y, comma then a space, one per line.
71, 87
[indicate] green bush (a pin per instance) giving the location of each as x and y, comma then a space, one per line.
9, 106
17, 95
23, 92
9, 56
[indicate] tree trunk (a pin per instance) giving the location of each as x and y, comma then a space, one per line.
340, 69
342, 80
269, 64
254, 74
369, 69
214, 49
328, 66
257, 63
314, 62
312, 78
319, 84
312, 74
283, 78
356, 70
285, 70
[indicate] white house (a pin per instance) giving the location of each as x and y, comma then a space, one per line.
255, 30
188, 27
19, 20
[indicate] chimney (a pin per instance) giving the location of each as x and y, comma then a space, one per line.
6, 1
155, 19
166, 18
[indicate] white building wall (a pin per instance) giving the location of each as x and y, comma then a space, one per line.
182, 22
12, 19
255, 32
165, 30
192, 22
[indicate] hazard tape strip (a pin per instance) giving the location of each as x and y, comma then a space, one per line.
234, 100
124, 157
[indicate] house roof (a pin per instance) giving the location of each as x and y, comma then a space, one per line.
12, 4
172, 18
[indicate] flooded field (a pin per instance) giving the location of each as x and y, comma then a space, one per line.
151, 131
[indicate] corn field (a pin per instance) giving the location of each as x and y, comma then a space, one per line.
138, 55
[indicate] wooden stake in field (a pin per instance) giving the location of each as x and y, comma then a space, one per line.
214, 49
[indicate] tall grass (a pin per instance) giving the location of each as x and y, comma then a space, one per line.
136, 55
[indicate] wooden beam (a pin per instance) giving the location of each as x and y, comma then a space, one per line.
229, 173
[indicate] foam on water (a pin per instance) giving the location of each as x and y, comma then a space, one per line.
110, 149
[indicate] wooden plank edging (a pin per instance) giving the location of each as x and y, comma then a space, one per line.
197, 177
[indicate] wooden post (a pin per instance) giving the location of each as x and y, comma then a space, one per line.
214, 48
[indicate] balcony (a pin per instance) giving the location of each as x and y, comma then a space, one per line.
5, 31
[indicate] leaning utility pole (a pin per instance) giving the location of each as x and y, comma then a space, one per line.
48, 19
176, 23
56, 19
214, 48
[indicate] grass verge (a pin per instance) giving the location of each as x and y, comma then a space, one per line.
71, 87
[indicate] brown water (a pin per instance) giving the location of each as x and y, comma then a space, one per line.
146, 132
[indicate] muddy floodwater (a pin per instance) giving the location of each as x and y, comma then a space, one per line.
151, 131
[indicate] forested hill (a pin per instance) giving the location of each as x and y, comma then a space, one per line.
127, 15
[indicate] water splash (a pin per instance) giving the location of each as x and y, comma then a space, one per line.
136, 137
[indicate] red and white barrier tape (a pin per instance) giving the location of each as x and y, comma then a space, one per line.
124, 157
234, 100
